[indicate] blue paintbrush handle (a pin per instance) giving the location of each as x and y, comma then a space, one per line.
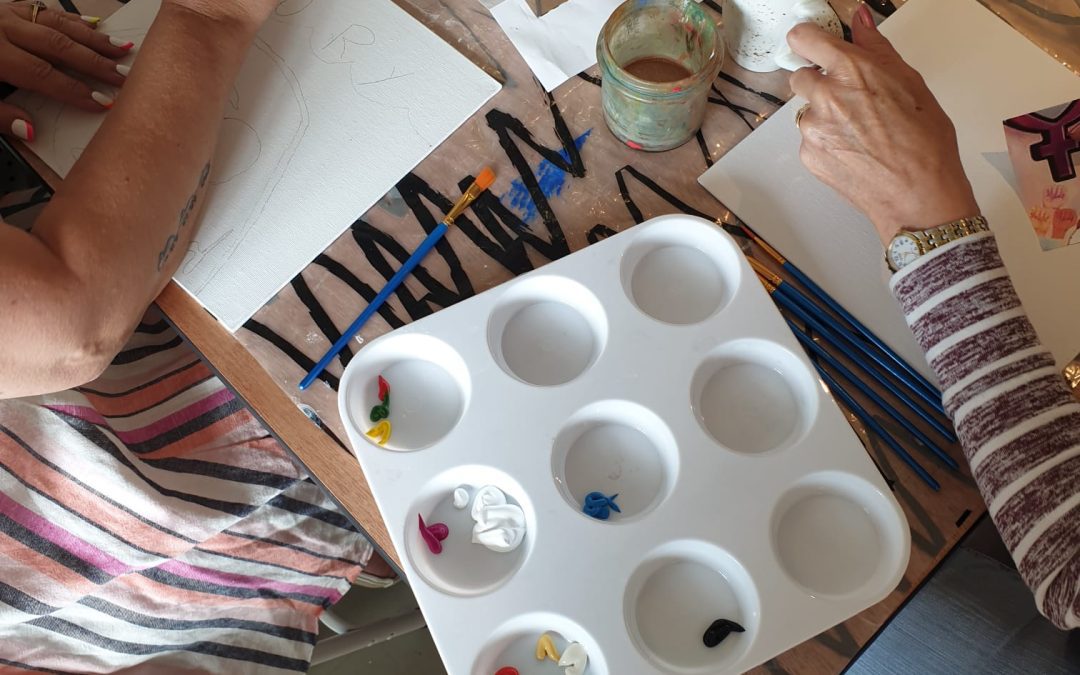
872, 395
876, 428
839, 342
369, 311
889, 365
835, 306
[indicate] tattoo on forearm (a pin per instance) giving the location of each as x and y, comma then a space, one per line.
185, 214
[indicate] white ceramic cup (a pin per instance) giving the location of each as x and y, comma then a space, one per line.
755, 31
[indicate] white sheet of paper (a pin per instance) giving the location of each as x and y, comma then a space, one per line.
982, 71
560, 44
335, 103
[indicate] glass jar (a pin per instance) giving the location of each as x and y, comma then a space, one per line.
658, 59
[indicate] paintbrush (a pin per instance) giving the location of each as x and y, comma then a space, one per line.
872, 425
824, 328
482, 182
793, 295
919, 384
817, 350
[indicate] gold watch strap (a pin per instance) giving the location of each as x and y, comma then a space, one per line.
942, 234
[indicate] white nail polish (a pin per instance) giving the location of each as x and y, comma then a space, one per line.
120, 42
104, 100
92, 20
23, 130
122, 69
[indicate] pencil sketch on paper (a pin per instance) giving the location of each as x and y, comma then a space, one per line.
336, 101
291, 7
240, 152
257, 142
357, 46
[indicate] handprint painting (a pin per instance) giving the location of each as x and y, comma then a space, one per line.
1045, 150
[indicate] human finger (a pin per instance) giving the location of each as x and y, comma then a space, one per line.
26, 11
35, 74
15, 122
815, 44
814, 127
80, 30
807, 82
811, 159
59, 49
865, 34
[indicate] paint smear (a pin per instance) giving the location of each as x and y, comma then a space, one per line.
550, 178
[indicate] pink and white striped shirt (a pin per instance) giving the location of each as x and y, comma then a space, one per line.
148, 523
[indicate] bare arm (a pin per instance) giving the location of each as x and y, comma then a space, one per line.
72, 290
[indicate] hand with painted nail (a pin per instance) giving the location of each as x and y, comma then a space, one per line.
875, 133
37, 56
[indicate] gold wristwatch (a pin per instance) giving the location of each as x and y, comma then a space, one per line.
906, 247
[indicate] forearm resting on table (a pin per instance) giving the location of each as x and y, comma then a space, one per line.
1016, 419
73, 289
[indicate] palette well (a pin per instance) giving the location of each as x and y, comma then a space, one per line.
654, 367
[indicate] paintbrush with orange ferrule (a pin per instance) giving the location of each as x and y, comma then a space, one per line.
482, 182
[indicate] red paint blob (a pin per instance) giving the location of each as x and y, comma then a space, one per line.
507, 670
633, 145
384, 389
433, 534
439, 531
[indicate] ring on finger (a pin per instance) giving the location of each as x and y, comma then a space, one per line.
799, 115
35, 8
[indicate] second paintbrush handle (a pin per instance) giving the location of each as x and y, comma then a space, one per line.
872, 425
369, 311
845, 373
889, 365
835, 306
839, 341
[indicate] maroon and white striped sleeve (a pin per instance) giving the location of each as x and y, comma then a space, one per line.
1016, 419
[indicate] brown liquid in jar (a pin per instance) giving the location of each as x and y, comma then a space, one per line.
657, 69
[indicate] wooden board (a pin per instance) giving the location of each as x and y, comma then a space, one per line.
563, 182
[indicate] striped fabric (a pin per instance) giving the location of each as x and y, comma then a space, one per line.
148, 523
1017, 421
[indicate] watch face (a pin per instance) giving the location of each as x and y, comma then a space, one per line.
903, 250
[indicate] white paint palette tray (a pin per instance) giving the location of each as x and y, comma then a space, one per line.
652, 365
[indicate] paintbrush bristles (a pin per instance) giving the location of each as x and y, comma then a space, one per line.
765, 272
769, 250
765, 282
482, 182
485, 179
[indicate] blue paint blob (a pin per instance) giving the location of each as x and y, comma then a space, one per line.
598, 505
549, 177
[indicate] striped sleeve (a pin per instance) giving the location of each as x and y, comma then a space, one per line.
1016, 419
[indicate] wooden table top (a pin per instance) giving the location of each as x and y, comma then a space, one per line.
563, 182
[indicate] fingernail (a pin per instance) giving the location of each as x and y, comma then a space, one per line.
92, 20
865, 16
23, 130
103, 100
122, 44
122, 69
